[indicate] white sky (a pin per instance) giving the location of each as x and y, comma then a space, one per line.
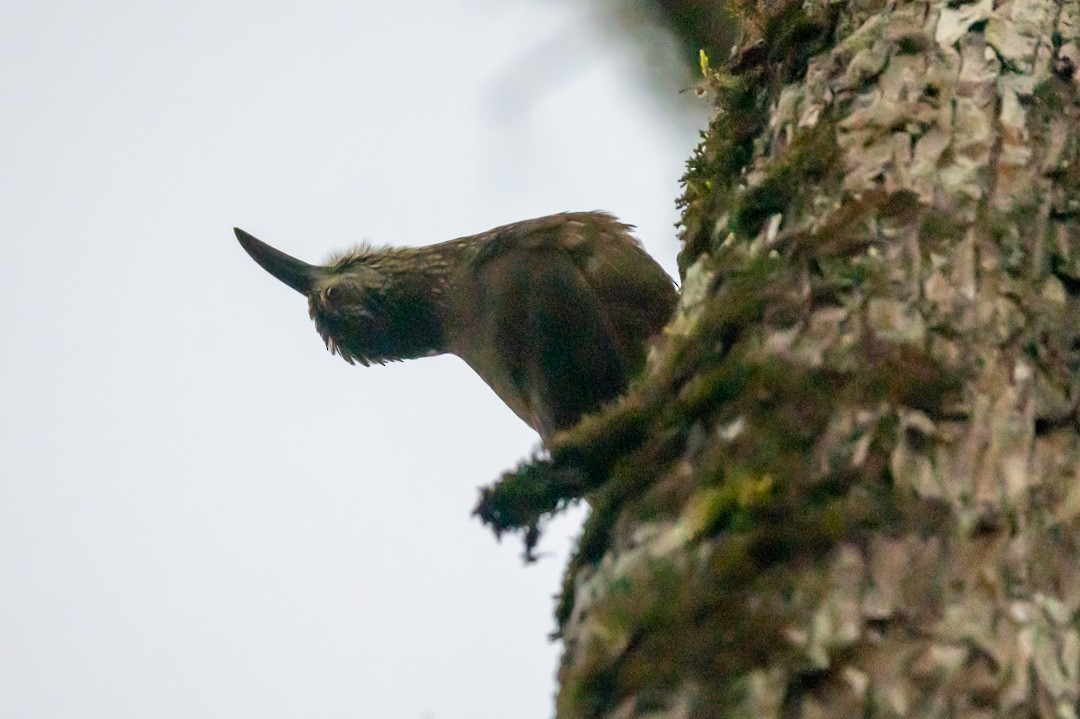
202, 512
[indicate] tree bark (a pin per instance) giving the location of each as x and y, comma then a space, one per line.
849, 484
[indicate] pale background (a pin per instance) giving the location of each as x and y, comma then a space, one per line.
203, 513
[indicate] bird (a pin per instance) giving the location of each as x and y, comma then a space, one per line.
556, 314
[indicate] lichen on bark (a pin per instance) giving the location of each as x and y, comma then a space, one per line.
849, 482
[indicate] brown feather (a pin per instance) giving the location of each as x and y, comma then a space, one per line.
554, 313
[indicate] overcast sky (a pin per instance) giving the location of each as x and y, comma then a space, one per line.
202, 512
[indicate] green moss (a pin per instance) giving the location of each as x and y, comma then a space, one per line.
1048, 97
763, 492
905, 376
717, 163
708, 389
716, 507
939, 228
668, 624
579, 463
522, 498
1055, 101
664, 624
789, 36
748, 283
724, 439
765, 485
837, 278
763, 505
807, 160
629, 478
912, 44
638, 605
792, 37
1012, 232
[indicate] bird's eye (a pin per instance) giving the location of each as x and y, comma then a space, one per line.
331, 293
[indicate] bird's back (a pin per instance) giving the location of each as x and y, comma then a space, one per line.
555, 313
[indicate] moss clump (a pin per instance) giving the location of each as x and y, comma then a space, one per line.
649, 647
809, 158
838, 278
581, 460
911, 45
716, 166
939, 228
1048, 99
706, 616
733, 453
905, 376
715, 508
792, 36
780, 39
522, 498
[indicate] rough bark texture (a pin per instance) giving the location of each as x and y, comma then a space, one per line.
849, 484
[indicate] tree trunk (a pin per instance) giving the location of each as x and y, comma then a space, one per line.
849, 484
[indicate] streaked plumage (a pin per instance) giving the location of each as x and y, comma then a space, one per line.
554, 313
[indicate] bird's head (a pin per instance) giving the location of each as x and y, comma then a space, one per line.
350, 300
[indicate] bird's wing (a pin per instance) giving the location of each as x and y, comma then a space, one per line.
568, 302
636, 295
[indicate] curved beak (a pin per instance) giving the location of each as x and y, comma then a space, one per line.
295, 273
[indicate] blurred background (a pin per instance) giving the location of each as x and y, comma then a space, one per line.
202, 512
